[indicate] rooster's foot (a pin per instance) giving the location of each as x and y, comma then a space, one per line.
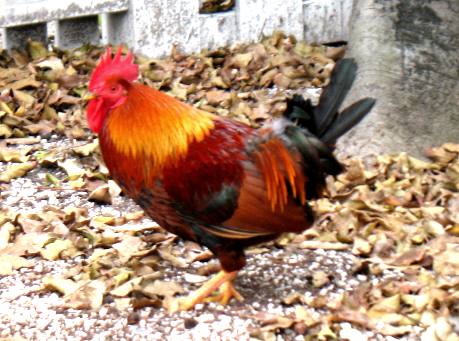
221, 282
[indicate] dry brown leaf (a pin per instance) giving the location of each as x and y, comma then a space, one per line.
161, 288
101, 195
5, 131
59, 249
25, 83
89, 294
6, 230
386, 305
447, 262
216, 97
192, 278
63, 285
86, 149
271, 322
42, 127
73, 168
9, 263
320, 279
14, 155
166, 254
412, 256
317, 244
126, 288
16, 171
129, 247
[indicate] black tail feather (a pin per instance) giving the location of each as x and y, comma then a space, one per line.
324, 121
333, 95
347, 119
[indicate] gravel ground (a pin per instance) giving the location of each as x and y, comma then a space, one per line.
271, 275
292, 290
267, 279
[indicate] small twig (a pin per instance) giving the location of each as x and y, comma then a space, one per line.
22, 140
62, 149
260, 34
47, 188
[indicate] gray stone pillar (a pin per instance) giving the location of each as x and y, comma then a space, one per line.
117, 28
407, 52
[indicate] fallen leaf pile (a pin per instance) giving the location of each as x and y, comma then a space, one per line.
391, 212
41, 91
122, 258
247, 82
398, 212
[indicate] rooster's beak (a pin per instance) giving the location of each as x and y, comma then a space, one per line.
88, 97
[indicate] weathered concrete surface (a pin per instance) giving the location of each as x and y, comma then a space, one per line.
178, 22
160, 24
23, 12
326, 21
407, 53
258, 18
151, 27
217, 30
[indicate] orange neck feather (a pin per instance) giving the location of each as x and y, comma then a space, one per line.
155, 126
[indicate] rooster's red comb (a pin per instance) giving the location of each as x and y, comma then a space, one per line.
118, 67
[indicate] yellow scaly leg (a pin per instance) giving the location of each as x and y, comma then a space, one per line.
221, 282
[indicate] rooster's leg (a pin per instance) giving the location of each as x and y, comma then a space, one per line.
221, 282
225, 293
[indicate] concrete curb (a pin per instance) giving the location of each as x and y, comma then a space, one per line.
151, 27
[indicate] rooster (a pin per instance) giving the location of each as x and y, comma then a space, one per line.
213, 180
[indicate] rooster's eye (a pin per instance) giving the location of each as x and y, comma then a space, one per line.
113, 89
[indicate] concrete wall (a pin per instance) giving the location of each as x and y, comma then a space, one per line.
407, 52
152, 26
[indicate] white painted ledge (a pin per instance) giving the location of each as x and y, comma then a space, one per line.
151, 27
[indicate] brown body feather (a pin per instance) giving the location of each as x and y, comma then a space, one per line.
180, 186
210, 179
